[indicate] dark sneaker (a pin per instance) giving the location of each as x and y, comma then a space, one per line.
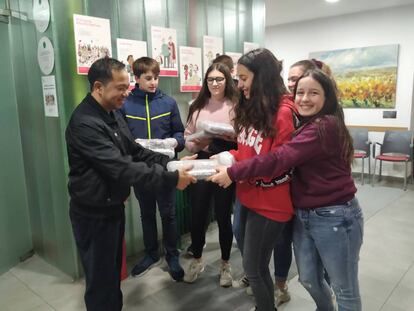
144, 265
175, 269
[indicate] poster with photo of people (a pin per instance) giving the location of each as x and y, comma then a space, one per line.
92, 40
190, 69
128, 51
212, 47
164, 50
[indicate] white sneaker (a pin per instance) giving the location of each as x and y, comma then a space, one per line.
241, 283
249, 291
282, 295
194, 270
226, 279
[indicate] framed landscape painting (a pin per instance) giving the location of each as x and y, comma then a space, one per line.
366, 77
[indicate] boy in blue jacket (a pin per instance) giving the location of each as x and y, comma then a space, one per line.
152, 114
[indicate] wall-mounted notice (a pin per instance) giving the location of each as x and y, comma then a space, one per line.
248, 46
164, 50
92, 40
41, 14
128, 51
235, 57
190, 64
45, 55
49, 96
212, 47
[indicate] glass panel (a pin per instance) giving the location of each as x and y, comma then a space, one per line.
214, 18
42, 141
15, 235
131, 22
244, 30
231, 36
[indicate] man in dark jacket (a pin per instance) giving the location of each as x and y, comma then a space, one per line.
104, 163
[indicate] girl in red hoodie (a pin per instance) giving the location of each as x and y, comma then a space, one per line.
264, 121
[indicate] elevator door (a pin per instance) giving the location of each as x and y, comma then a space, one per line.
15, 237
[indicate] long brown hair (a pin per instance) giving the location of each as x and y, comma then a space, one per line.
230, 91
265, 92
333, 108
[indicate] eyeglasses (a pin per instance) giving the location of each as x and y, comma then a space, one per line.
210, 80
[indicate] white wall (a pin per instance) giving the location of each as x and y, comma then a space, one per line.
293, 42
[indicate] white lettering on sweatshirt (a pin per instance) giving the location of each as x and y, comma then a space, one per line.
252, 139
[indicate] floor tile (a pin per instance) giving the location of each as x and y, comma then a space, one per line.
386, 271
16, 296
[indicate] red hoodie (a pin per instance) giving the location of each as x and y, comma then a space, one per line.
271, 202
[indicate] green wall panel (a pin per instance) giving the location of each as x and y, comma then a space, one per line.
15, 239
40, 173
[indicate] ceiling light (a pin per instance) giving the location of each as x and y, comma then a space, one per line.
331, 1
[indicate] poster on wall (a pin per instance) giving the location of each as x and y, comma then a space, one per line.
235, 57
248, 46
41, 14
212, 47
164, 50
49, 96
366, 77
45, 55
128, 51
190, 65
92, 40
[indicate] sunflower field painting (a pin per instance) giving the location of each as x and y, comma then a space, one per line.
366, 77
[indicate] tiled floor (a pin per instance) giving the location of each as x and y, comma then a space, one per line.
386, 271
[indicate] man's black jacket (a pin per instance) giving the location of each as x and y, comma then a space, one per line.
104, 160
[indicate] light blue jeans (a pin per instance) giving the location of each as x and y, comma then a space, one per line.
330, 238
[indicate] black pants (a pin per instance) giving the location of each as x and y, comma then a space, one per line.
99, 242
202, 194
166, 205
260, 234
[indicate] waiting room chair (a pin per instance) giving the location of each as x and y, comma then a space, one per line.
396, 147
362, 148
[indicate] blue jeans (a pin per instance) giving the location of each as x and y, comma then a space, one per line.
282, 255
330, 238
239, 223
259, 241
166, 206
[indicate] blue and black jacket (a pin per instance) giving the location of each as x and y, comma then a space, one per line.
153, 115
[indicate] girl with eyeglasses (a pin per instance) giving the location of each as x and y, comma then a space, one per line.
215, 102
